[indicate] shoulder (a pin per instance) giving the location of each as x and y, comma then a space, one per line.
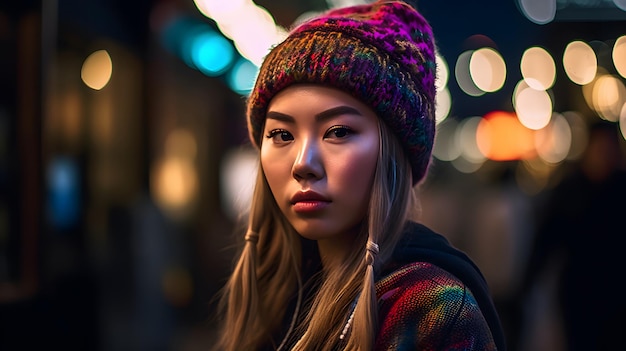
422, 306
422, 285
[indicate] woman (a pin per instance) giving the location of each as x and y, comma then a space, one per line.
343, 115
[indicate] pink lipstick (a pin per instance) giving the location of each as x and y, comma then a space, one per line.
308, 201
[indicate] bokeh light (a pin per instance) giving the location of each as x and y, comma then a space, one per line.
443, 72
237, 174
464, 165
257, 34
609, 97
538, 11
487, 69
619, 55
443, 105
211, 53
471, 158
501, 137
446, 147
63, 192
174, 185
580, 62
466, 138
219, 9
533, 107
97, 70
538, 68
242, 76
444, 98
554, 141
463, 76
251, 27
174, 181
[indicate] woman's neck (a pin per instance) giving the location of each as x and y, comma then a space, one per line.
334, 251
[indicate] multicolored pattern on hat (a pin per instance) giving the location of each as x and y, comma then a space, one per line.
381, 53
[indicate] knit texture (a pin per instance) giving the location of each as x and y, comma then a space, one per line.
423, 307
382, 53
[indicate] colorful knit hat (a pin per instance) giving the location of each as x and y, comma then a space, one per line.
381, 53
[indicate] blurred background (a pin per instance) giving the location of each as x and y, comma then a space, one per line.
125, 164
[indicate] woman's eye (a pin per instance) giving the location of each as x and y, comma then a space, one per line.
338, 132
279, 136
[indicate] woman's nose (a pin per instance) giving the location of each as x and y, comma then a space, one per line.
308, 163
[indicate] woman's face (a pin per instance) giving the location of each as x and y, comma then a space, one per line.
319, 153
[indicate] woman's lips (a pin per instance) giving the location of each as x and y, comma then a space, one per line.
309, 201
309, 206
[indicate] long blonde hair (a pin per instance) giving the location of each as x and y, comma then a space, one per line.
267, 274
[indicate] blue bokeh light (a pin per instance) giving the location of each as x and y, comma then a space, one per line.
211, 53
63, 189
242, 76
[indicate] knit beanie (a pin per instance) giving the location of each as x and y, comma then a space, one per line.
381, 53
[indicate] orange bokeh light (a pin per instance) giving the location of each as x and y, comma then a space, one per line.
501, 137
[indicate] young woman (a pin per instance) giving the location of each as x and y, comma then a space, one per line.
343, 115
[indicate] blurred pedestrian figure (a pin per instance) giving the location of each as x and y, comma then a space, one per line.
582, 232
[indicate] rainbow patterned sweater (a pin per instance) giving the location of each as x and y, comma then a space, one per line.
433, 297
423, 307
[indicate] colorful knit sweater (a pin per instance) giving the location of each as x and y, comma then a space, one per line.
422, 307
433, 297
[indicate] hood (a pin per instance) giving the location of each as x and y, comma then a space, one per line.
421, 244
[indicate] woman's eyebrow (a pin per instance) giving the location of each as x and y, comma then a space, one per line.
326, 114
279, 116
337, 111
